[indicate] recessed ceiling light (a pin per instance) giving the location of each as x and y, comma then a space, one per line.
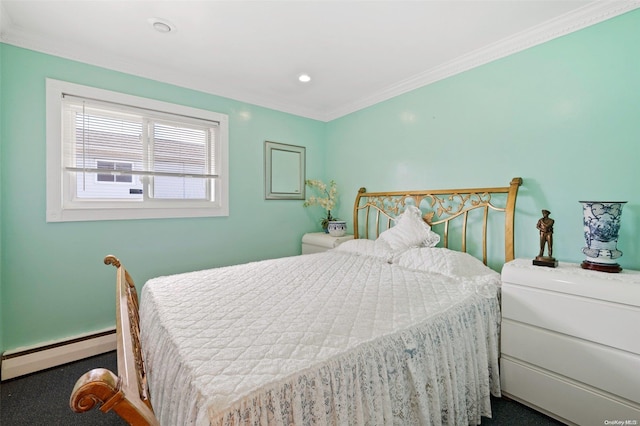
160, 25
304, 78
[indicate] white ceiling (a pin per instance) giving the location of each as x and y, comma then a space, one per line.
357, 52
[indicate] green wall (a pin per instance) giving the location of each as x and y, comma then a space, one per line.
54, 284
1, 138
564, 116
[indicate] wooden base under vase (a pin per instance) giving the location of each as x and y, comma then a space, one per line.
602, 267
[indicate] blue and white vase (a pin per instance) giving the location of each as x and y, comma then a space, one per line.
601, 226
325, 222
337, 228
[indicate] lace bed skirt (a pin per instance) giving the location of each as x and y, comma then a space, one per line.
441, 372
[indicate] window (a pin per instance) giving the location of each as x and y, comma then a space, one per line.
116, 156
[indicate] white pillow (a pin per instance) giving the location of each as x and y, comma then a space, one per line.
443, 261
364, 247
410, 230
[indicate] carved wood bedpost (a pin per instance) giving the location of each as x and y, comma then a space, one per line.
126, 393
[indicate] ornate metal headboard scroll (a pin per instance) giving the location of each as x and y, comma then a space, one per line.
373, 212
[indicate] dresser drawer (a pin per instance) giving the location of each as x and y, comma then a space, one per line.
590, 319
562, 398
599, 366
570, 278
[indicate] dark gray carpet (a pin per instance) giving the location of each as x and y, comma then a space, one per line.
43, 399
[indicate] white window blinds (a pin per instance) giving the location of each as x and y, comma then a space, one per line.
115, 156
150, 154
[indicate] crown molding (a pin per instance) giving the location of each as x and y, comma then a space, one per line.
586, 16
578, 19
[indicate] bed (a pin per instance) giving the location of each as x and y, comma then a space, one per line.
398, 326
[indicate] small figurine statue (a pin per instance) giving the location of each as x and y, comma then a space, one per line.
545, 226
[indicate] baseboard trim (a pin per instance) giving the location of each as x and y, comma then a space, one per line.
26, 361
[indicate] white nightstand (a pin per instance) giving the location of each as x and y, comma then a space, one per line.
571, 342
316, 242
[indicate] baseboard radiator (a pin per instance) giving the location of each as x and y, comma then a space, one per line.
29, 360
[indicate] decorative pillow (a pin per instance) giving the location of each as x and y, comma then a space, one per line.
410, 230
364, 247
443, 261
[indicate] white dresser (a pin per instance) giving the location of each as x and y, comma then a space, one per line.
571, 342
315, 242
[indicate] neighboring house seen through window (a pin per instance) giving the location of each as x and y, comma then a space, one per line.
112, 166
117, 156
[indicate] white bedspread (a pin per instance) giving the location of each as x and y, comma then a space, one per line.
329, 338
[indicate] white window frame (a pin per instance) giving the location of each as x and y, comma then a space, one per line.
60, 206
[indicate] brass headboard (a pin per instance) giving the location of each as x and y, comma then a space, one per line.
373, 212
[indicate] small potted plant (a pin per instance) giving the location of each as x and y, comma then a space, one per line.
326, 199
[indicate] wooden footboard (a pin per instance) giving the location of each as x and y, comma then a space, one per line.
125, 393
